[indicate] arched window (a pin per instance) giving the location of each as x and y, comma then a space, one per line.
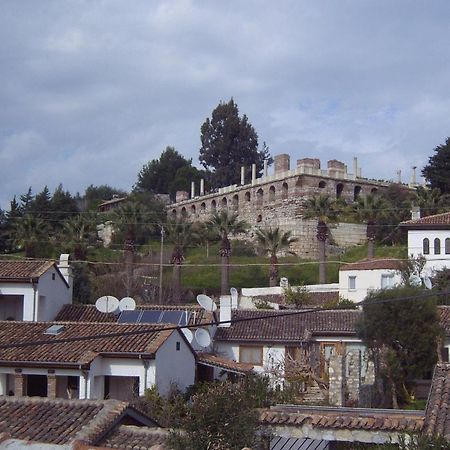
183, 212
259, 197
437, 246
193, 209
235, 202
213, 206
339, 189
373, 191
224, 202
272, 194
356, 193
174, 213
426, 246
247, 196
203, 206
284, 191
322, 184
447, 246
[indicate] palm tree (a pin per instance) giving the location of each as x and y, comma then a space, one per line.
430, 201
80, 231
29, 232
272, 241
225, 223
323, 209
370, 209
181, 233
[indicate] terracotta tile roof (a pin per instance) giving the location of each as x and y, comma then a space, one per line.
76, 351
89, 313
373, 264
288, 327
444, 318
224, 363
132, 437
437, 415
344, 418
59, 421
435, 221
22, 270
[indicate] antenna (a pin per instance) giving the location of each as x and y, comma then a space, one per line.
206, 302
427, 282
107, 304
202, 337
188, 334
127, 304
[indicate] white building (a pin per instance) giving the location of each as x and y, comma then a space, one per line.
357, 279
34, 290
430, 236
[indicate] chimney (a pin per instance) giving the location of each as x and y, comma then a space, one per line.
225, 310
202, 187
65, 269
192, 189
266, 166
415, 212
253, 174
242, 175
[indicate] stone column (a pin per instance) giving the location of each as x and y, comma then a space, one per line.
253, 174
266, 167
18, 383
336, 375
51, 384
202, 187
192, 189
242, 175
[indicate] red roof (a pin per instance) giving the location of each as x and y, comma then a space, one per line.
435, 221
373, 264
23, 270
224, 363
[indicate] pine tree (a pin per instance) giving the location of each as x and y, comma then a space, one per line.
437, 171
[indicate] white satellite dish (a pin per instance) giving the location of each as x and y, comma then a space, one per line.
234, 297
107, 304
188, 334
202, 337
127, 304
206, 302
427, 282
415, 280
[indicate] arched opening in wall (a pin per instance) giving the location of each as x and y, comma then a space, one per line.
374, 191
183, 212
235, 202
259, 218
173, 214
426, 246
193, 209
247, 196
322, 184
284, 191
203, 207
447, 246
339, 189
272, 194
224, 203
213, 206
437, 246
356, 193
259, 197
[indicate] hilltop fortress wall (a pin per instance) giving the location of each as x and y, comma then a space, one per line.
277, 200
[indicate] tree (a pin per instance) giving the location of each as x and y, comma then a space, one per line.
370, 209
94, 195
63, 206
78, 232
30, 232
42, 206
181, 233
437, 171
272, 241
400, 327
430, 201
225, 224
229, 142
323, 209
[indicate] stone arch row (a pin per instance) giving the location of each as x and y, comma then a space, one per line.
340, 188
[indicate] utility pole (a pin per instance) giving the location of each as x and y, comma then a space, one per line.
161, 265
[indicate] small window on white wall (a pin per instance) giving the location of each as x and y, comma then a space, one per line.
387, 280
437, 246
352, 283
426, 246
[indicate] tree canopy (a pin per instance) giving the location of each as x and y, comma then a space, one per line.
229, 142
437, 171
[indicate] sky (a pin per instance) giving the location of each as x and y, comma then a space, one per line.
91, 90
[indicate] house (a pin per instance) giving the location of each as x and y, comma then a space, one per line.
430, 237
34, 290
356, 280
59, 423
92, 360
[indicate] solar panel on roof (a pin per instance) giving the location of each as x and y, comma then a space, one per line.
129, 316
172, 317
150, 316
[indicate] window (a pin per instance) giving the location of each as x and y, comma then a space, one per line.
251, 354
426, 246
339, 189
352, 283
284, 191
437, 246
272, 194
177, 346
447, 246
53, 276
387, 280
322, 184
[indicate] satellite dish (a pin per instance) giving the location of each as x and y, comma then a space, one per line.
202, 337
415, 280
427, 282
188, 334
234, 296
206, 302
107, 304
127, 304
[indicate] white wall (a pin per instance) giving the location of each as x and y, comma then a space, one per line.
415, 247
174, 366
366, 280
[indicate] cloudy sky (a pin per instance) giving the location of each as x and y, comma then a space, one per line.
91, 90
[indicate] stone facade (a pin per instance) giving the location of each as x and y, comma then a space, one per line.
277, 200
